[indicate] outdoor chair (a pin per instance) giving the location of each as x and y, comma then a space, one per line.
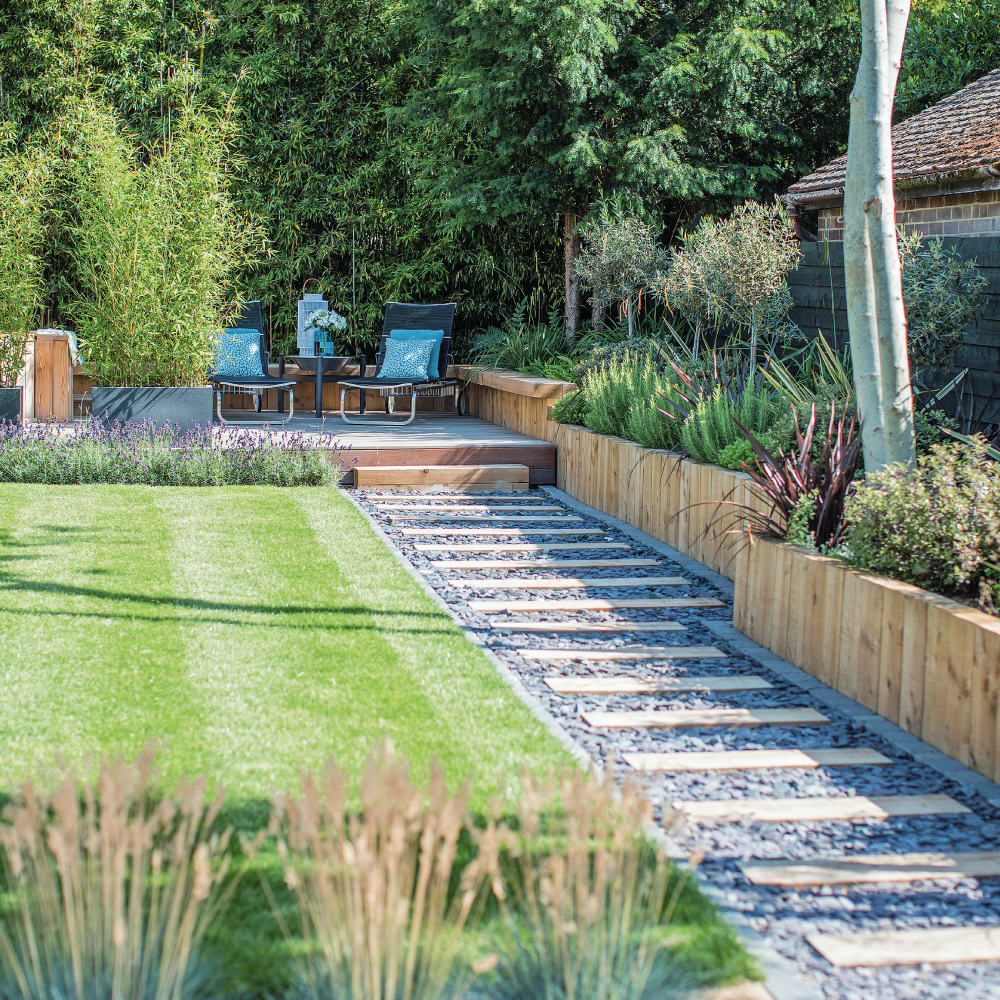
399, 317
248, 373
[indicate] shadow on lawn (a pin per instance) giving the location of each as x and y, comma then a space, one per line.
12, 582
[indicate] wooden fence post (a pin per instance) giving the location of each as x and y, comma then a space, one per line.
53, 376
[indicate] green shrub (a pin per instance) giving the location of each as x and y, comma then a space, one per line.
938, 528
571, 409
24, 180
157, 244
927, 424
711, 427
943, 294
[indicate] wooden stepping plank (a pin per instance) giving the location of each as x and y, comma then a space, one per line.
627, 653
568, 583
515, 547
632, 685
514, 532
859, 868
855, 808
597, 628
483, 517
933, 944
596, 604
474, 508
538, 563
681, 717
479, 498
749, 760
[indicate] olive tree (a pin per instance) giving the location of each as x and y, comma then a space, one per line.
621, 260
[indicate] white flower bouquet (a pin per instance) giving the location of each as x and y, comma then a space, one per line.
326, 320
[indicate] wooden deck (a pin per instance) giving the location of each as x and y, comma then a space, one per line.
432, 439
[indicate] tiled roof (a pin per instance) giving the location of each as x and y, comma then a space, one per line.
958, 136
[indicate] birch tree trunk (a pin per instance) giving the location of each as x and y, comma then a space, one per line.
872, 274
573, 244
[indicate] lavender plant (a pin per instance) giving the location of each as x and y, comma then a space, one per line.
154, 455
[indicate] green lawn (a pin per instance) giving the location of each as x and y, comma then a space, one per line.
251, 631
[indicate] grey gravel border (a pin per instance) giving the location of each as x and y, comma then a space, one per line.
783, 980
903, 741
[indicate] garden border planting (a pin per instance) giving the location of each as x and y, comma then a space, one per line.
924, 662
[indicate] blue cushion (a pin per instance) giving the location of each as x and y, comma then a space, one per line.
436, 335
407, 359
237, 354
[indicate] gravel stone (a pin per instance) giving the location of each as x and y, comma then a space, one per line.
781, 915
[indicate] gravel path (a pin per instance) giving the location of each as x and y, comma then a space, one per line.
782, 916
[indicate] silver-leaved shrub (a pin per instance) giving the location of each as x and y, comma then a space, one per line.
938, 528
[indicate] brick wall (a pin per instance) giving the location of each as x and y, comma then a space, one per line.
975, 213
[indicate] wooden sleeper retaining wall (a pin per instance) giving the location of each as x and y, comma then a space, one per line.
927, 663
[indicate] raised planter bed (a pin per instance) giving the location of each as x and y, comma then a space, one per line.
186, 406
11, 400
926, 663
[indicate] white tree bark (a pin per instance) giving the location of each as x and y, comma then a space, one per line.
872, 273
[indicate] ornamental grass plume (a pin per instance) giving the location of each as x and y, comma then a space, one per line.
374, 888
585, 896
109, 897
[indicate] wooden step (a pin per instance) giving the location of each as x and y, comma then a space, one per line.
595, 628
472, 508
750, 760
515, 547
566, 583
854, 808
539, 563
933, 944
627, 653
851, 869
596, 604
520, 519
493, 477
511, 532
666, 685
423, 497
686, 717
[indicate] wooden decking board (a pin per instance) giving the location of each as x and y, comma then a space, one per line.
539, 563
627, 653
511, 532
567, 583
861, 868
934, 944
685, 717
749, 760
474, 508
854, 808
596, 628
482, 517
667, 685
524, 547
596, 604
